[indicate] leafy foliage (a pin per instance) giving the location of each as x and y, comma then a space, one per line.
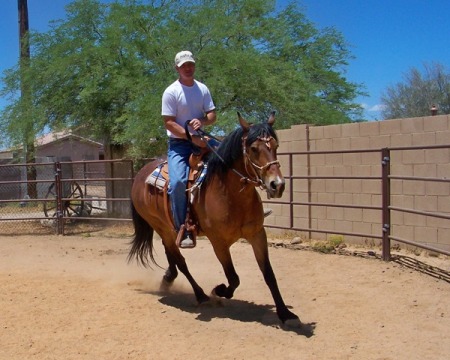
103, 69
418, 93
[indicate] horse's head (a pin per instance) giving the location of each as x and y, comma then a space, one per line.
260, 145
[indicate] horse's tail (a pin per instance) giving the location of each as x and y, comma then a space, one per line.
142, 243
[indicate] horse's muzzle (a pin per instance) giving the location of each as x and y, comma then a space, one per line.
275, 187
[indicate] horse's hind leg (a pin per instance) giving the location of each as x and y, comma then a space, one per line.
176, 259
171, 272
224, 256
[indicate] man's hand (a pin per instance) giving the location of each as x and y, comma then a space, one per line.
195, 124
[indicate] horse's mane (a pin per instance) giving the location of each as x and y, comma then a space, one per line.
231, 150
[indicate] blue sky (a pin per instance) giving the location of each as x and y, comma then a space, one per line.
387, 37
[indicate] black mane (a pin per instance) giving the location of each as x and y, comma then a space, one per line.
230, 148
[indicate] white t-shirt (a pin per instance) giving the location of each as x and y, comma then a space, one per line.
186, 102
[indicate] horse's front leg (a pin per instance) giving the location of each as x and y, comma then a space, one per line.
260, 248
224, 256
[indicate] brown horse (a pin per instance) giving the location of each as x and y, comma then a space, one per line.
227, 206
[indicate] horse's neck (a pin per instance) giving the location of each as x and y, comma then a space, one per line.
234, 186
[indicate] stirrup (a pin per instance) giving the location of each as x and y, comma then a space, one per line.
185, 239
267, 212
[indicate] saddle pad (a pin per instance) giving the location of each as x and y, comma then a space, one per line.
156, 178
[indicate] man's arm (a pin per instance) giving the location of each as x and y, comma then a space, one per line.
176, 129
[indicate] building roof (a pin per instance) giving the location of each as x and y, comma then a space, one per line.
60, 136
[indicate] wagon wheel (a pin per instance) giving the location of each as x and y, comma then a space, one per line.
72, 206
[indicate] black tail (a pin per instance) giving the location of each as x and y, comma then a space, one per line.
142, 243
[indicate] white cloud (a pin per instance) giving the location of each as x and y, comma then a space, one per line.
376, 108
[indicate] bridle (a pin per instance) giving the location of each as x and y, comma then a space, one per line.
257, 170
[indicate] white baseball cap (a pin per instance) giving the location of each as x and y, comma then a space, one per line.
183, 57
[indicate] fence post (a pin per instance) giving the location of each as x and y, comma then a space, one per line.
59, 203
386, 203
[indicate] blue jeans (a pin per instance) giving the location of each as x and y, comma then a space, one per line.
178, 161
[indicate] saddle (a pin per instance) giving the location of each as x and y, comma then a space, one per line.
159, 179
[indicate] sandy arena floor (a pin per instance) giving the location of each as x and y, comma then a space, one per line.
75, 297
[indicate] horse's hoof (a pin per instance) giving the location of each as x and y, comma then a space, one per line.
293, 323
203, 299
220, 290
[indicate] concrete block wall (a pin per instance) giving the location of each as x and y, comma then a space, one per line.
410, 194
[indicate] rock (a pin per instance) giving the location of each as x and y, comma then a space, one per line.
296, 240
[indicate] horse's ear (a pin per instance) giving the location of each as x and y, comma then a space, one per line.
244, 124
271, 120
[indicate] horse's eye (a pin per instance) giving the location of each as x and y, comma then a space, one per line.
254, 149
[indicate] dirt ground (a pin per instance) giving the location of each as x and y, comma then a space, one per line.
75, 297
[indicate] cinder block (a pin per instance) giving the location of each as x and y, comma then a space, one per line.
353, 215
335, 213
426, 203
390, 127
443, 170
343, 226
437, 156
423, 139
413, 156
436, 123
401, 140
342, 170
371, 215
351, 159
444, 204
350, 130
334, 159
379, 142
326, 197
425, 235
341, 143
319, 212
396, 188
403, 231
371, 187
362, 227
411, 187
425, 170
358, 143
442, 137
343, 198
414, 219
323, 145
443, 237
412, 125
334, 185
362, 199
396, 218
352, 186
316, 132
371, 128
332, 131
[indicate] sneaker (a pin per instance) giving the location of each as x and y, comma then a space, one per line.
187, 242
267, 212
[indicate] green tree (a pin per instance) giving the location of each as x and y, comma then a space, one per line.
418, 93
104, 68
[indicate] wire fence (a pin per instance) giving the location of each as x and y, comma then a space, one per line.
60, 197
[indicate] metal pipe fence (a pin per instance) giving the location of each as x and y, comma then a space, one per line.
385, 209
88, 191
